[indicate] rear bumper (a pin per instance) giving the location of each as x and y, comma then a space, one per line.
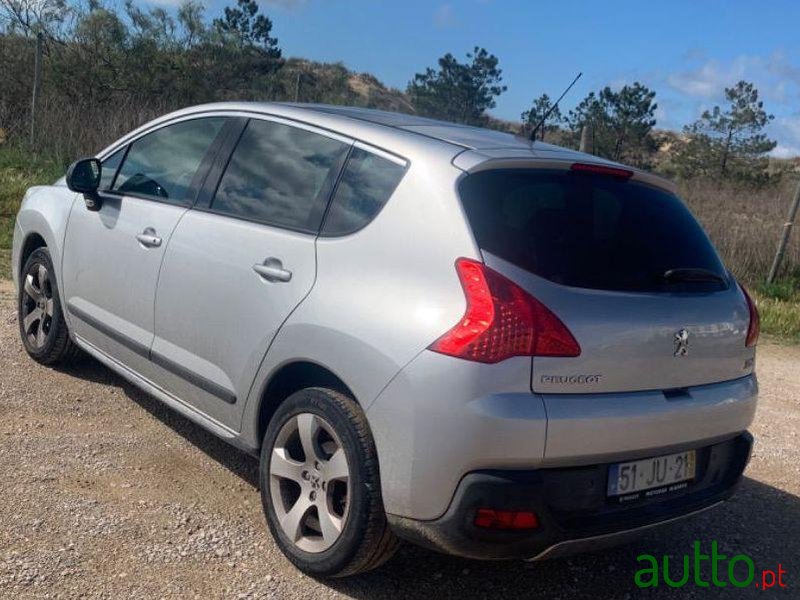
441, 418
574, 512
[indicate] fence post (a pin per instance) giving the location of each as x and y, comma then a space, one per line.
586, 137
297, 87
787, 231
37, 83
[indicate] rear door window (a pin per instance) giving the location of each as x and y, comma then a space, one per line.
280, 175
161, 165
367, 183
588, 230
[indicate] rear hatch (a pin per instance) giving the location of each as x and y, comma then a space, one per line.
626, 268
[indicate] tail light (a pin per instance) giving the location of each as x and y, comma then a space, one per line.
754, 327
502, 320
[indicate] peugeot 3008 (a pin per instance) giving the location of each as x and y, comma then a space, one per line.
431, 332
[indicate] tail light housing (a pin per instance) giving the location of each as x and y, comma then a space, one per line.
502, 320
754, 326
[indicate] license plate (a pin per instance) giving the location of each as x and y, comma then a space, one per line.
662, 472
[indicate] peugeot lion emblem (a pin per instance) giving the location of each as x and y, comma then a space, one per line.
682, 343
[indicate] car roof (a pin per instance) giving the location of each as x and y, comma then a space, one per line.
473, 146
482, 145
467, 136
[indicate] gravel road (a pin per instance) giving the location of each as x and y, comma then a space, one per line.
106, 494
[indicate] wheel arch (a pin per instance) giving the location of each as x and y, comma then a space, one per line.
42, 222
31, 242
288, 379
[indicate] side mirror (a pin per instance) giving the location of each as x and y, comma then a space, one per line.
83, 176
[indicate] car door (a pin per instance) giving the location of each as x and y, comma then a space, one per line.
241, 261
112, 256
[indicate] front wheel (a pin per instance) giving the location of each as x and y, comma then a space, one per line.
41, 322
320, 486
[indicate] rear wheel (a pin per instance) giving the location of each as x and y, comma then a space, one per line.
41, 322
320, 486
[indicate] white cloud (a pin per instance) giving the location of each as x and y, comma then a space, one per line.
781, 151
445, 16
775, 77
786, 130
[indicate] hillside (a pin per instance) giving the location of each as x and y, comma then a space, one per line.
309, 81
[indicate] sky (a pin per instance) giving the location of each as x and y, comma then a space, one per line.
687, 51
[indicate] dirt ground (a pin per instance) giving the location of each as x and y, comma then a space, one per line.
104, 493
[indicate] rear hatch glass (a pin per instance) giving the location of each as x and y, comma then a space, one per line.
624, 265
590, 231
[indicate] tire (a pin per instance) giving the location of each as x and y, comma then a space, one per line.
42, 327
292, 484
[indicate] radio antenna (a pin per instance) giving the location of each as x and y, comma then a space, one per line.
541, 123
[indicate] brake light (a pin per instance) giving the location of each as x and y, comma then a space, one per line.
502, 320
489, 518
602, 170
754, 326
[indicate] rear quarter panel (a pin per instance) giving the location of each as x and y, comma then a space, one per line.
382, 294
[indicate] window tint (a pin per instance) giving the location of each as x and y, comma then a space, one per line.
590, 231
109, 169
280, 175
162, 164
366, 184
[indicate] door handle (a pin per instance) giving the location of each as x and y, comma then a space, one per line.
148, 238
272, 270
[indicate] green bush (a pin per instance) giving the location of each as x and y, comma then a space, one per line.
19, 170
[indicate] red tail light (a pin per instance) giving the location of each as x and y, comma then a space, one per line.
502, 320
754, 327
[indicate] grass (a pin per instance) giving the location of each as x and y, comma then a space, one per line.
779, 306
19, 170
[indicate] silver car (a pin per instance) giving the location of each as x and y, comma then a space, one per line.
430, 332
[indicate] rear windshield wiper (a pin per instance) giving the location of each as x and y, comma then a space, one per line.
692, 275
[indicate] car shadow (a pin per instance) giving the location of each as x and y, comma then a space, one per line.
239, 463
760, 521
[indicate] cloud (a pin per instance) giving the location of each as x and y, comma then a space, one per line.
775, 77
445, 16
786, 130
781, 151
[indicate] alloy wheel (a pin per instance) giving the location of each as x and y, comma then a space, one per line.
37, 305
309, 482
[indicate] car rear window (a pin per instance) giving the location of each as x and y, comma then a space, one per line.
588, 230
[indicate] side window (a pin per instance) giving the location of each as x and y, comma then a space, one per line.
279, 175
365, 186
110, 166
161, 165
